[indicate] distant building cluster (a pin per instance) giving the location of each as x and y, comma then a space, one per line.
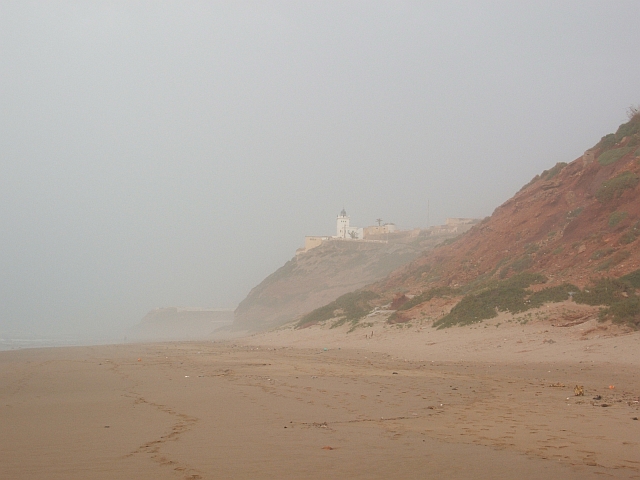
381, 233
345, 231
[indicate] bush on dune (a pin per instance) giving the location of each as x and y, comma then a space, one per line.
506, 295
349, 307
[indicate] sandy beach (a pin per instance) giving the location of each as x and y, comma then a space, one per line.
487, 401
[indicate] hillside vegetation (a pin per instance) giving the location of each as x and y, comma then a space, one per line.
570, 233
322, 275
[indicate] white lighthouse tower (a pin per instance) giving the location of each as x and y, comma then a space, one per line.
342, 224
345, 231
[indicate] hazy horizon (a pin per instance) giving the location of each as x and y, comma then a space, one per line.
159, 154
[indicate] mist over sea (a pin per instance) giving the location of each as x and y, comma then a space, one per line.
17, 340
155, 330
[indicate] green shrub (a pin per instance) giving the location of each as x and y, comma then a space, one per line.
605, 292
522, 263
632, 278
504, 272
546, 175
617, 257
552, 295
524, 280
626, 310
507, 299
349, 307
631, 235
612, 156
503, 261
616, 217
506, 295
614, 187
438, 292
531, 248
627, 238
626, 129
618, 296
574, 213
598, 254
487, 282
553, 171
607, 141
471, 309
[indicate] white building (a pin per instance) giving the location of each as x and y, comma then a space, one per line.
345, 231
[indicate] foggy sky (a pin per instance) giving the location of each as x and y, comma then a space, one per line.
175, 153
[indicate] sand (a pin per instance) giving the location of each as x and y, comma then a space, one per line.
472, 402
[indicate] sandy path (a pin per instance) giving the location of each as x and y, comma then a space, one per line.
204, 410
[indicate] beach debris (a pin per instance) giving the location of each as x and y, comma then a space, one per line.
634, 418
605, 405
327, 447
611, 387
598, 397
578, 391
557, 384
394, 373
139, 359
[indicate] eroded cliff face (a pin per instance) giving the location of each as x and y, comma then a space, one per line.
575, 223
321, 275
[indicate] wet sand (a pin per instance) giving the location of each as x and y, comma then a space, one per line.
357, 407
